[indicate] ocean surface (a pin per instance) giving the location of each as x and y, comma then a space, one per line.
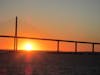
49, 63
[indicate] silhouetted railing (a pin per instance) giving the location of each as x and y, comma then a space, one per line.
58, 42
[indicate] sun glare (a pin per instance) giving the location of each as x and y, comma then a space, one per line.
28, 47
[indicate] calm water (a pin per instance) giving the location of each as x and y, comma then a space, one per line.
37, 63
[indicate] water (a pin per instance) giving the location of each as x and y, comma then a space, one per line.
41, 63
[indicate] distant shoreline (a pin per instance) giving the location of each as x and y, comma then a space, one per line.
54, 52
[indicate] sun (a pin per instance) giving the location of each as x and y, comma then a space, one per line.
28, 47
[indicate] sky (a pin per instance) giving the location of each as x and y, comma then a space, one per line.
56, 19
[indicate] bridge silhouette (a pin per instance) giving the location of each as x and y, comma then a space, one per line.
58, 41
17, 62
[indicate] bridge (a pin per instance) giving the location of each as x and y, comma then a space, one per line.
17, 62
54, 40
57, 41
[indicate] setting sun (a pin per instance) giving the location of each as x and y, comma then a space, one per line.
28, 47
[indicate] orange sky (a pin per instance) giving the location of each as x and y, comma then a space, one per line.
42, 45
26, 28
54, 19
